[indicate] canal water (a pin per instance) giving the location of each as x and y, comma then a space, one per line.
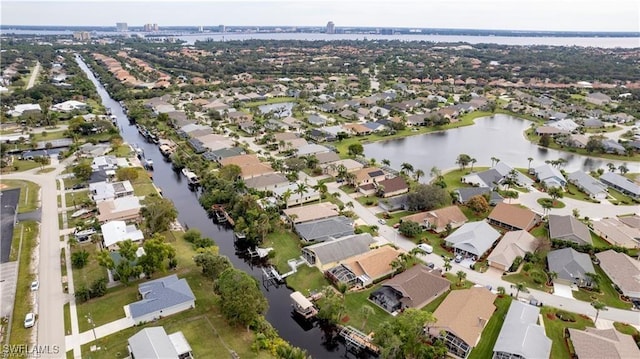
174, 187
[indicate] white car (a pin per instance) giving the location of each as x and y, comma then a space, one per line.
29, 320
425, 248
382, 221
35, 285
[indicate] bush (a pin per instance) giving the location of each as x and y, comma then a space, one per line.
409, 228
83, 294
526, 267
98, 288
79, 259
566, 316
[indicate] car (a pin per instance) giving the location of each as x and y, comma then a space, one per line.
35, 285
382, 221
29, 320
79, 186
425, 248
396, 226
458, 259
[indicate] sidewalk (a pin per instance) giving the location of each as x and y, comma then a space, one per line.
77, 340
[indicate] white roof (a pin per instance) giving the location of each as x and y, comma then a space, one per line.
311, 149
117, 231
180, 343
19, 109
301, 300
474, 237
279, 191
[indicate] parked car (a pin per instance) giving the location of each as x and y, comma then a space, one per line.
458, 258
79, 186
382, 221
29, 320
425, 248
35, 285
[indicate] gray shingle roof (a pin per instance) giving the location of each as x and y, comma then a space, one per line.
616, 180
473, 237
521, 335
570, 264
341, 248
322, 229
568, 228
465, 193
160, 294
587, 183
152, 343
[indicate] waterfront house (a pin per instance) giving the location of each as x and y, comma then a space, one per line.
621, 184
311, 212
250, 165
119, 209
571, 266
154, 343
324, 229
366, 268
267, 182
114, 232
308, 195
368, 175
464, 194
520, 335
161, 297
589, 185
101, 191
512, 245
327, 254
568, 228
550, 176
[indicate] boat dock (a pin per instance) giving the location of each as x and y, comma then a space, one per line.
222, 216
356, 341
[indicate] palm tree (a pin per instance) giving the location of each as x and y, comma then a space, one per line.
386, 162
494, 161
462, 275
623, 169
286, 196
530, 159
598, 306
520, 287
555, 193
473, 161
366, 312
545, 207
322, 188
372, 162
594, 281
406, 168
418, 173
447, 264
551, 276
611, 166
501, 290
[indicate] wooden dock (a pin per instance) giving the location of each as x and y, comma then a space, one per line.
356, 340
221, 214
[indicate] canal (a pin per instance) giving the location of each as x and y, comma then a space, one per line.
174, 187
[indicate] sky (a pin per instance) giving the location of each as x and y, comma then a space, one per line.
545, 15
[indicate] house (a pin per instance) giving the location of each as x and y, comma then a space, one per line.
115, 232
496, 176
473, 239
569, 228
357, 129
413, 288
250, 165
119, 209
222, 153
623, 271
101, 191
289, 194
464, 194
461, 318
512, 245
571, 266
392, 204
324, 229
311, 212
597, 98
565, 124
332, 168
513, 218
161, 297
368, 175
612, 146
366, 268
327, 254
617, 233
317, 120
154, 343
589, 185
26, 108
621, 184
550, 176
327, 157
311, 149
593, 343
549, 130
104, 162
520, 335
69, 106
439, 220
392, 187
267, 182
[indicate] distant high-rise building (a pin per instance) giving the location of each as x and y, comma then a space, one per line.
201, 28
122, 27
222, 28
151, 27
331, 28
82, 35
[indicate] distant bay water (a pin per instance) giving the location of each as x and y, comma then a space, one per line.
191, 38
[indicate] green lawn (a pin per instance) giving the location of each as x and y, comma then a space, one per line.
22, 304
368, 201
456, 284
484, 349
122, 151
453, 178
143, 185
354, 303
28, 194
46, 170
108, 308
598, 242
76, 198
92, 271
625, 328
554, 203
49, 135
67, 319
527, 278
619, 198
608, 295
286, 245
307, 280
571, 191
21, 165
554, 328
533, 138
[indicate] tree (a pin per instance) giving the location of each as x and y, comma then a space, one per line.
598, 306
520, 287
212, 264
104, 259
555, 193
473, 161
194, 237
332, 306
158, 213
366, 311
406, 168
355, 149
286, 196
230, 172
409, 228
322, 188
545, 140
551, 276
386, 162
156, 251
83, 171
427, 197
501, 290
403, 336
418, 173
241, 300
447, 264
494, 161
461, 275
79, 259
530, 159
478, 204
127, 174
546, 206
623, 169
611, 166
463, 160
594, 144
301, 189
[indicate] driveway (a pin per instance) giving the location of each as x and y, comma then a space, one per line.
562, 290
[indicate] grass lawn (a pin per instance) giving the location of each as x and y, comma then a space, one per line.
573, 192
122, 151
28, 194
484, 349
619, 198
67, 319
554, 328
21, 165
354, 303
452, 178
107, 308
608, 295
24, 296
394, 217
49, 135
46, 170
599, 242
533, 138
368, 201
527, 278
554, 203
453, 278
307, 280
92, 271
540, 231
625, 328
143, 185
286, 245
348, 189
76, 198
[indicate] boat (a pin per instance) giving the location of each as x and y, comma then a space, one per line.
139, 151
185, 171
302, 305
82, 235
193, 179
166, 150
79, 213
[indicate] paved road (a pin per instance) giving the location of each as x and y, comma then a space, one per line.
34, 75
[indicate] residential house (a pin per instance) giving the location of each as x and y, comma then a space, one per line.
267, 182
513, 217
392, 187
566, 125
320, 136
23, 109
250, 165
357, 129
569, 228
589, 185
392, 204
119, 209
332, 168
317, 120
215, 142
69, 106
597, 98
417, 120
413, 288
102, 191
311, 212
327, 254
324, 229
497, 176
512, 245
161, 297
631, 221
368, 175
439, 220
550, 176
592, 123
578, 140
617, 232
593, 343
461, 318
621, 184
222, 153
154, 343
294, 197
623, 271
104, 162
612, 146
115, 232
327, 157
521, 336
571, 267
550, 130
311, 149
473, 239
364, 269
464, 194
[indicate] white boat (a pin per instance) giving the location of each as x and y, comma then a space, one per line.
79, 213
193, 179
84, 234
185, 171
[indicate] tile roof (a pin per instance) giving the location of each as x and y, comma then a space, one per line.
342, 248
375, 263
418, 285
473, 237
570, 264
617, 233
568, 228
312, 212
512, 245
514, 216
323, 229
623, 271
594, 343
